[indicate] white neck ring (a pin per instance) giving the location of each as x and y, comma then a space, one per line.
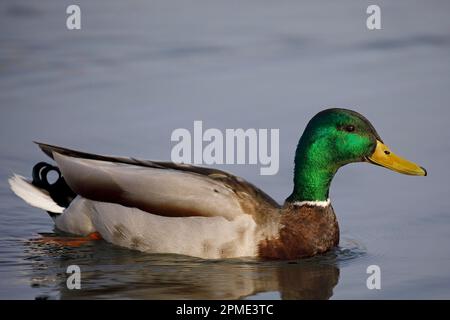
322, 204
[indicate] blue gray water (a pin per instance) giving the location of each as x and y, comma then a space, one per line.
139, 69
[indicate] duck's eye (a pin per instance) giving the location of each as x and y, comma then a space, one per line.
350, 128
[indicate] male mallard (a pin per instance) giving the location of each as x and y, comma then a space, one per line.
163, 207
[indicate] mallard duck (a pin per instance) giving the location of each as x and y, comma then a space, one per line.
165, 207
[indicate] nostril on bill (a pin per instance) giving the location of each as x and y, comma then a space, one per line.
387, 152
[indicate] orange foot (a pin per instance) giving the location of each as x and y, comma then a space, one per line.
70, 241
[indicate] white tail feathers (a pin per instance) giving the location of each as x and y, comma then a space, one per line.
32, 195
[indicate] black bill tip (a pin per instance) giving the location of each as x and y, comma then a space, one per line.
424, 170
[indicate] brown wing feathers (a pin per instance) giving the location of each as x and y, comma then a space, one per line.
166, 188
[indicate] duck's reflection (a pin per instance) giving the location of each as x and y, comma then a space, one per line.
111, 272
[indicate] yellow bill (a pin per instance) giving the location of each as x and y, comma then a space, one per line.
382, 156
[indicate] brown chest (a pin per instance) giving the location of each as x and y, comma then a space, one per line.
303, 232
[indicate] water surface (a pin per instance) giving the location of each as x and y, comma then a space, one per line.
138, 70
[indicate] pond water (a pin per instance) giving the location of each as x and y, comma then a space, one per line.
137, 70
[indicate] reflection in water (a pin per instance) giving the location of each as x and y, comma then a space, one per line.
112, 272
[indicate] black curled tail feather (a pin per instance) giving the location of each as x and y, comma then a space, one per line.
59, 191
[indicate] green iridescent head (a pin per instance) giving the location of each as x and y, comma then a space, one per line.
332, 139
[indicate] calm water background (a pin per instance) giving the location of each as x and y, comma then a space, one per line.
139, 69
